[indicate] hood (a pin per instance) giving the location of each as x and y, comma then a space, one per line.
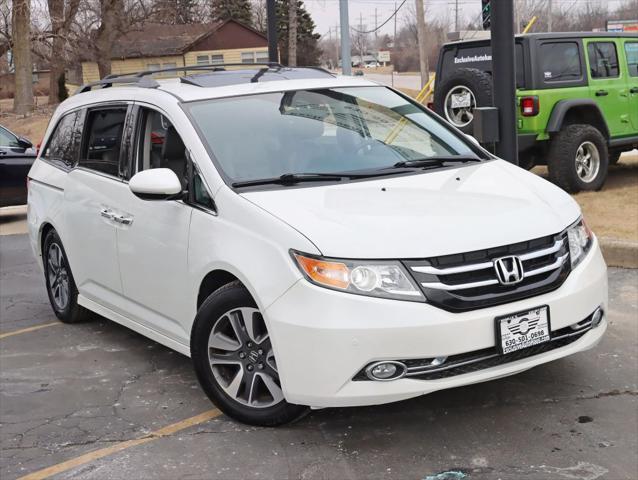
430, 214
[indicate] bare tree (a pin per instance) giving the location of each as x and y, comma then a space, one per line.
292, 33
110, 25
5, 27
260, 18
21, 48
62, 13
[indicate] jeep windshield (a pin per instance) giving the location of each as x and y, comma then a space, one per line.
326, 135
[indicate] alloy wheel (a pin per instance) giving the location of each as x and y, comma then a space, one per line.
587, 161
58, 276
459, 106
242, 360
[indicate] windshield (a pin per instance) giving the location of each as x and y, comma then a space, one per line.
320, 131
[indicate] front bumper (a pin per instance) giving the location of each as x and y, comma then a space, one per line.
322, 338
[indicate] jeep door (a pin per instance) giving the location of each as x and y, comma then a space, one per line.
608, 83
631, 56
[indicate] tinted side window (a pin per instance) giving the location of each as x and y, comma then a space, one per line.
7, 139
560, 61
631, 49
103, 140
62, 146
603, 60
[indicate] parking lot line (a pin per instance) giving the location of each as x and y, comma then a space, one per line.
28, 329
118, 447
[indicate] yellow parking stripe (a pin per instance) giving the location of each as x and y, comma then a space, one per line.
29, 329
118, 447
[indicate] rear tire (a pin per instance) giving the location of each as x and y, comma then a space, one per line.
234, 361
61, 288
578, 158
463, 84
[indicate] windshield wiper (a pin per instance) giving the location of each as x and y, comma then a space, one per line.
435, 161
294, 178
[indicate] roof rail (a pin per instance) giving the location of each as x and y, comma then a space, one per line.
213, 68
139, 78
108, 82
136, 77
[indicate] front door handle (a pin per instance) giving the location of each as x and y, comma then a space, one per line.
602, 93
634, 90
106, 213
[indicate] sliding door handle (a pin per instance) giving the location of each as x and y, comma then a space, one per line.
123, 220
602, 93
634, 90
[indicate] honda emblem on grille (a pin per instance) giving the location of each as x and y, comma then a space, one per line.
509, 270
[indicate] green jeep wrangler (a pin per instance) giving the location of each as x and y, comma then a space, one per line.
577, 97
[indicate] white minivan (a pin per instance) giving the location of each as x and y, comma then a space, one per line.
308, 240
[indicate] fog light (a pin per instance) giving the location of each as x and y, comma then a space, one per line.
386, 371
597, 317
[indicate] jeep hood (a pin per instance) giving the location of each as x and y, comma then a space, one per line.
430, 214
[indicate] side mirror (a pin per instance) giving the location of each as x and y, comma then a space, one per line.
25, 142
155, 184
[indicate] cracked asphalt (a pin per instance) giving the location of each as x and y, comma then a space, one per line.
67, 390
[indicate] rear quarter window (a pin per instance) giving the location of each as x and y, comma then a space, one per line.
63, 145
560, 62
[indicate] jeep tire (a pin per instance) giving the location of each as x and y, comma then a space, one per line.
464, 82
578, 158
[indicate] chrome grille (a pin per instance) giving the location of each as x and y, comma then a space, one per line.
468, 281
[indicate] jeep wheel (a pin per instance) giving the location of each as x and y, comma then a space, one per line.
459, 94
578, 158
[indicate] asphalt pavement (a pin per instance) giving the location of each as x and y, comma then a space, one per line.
98, 401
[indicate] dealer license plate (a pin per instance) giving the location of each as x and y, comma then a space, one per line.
523, 329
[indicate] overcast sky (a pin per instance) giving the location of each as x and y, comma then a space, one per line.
326, 12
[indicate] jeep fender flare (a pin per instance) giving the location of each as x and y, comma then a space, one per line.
563, 107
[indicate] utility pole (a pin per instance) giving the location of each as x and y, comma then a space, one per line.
423, 55
337, 44
346, 65
456, 15
394, 39
504, 78
292, 33
376, 24
271, 16
550, 14
360, 35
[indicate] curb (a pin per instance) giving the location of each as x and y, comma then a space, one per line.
619, 253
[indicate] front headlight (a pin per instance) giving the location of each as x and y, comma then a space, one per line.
386, 279
580, 239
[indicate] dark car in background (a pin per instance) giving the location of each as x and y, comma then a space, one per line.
16, 157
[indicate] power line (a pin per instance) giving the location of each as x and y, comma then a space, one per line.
380, 26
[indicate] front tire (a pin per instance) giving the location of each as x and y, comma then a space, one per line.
578, 158
234, 360
61, 288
